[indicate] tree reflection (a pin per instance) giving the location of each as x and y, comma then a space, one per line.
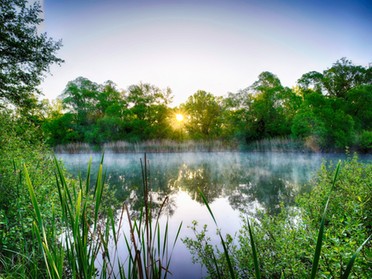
200, 177
130, 189
244, 187
246, 180
269, 191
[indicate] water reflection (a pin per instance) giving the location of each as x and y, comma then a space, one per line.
232, 182
265, 179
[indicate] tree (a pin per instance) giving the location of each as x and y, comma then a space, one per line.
337, 80
148, 111
322, 123
359, 100
235, 114
204, 115
272, 108
336, 108
25, 55
80, 99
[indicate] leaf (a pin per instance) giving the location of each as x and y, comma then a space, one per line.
349, 266
321, 229
254, 252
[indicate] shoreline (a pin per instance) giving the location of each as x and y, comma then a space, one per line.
168, 146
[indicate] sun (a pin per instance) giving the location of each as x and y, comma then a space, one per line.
179, 117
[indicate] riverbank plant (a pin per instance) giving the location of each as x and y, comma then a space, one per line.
300, 242
87, 243
20, 254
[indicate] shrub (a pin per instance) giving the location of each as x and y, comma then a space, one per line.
366, 141
286, 242
20, 145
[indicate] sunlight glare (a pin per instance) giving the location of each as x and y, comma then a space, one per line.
179, 117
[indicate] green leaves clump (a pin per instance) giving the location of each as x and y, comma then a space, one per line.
301, 242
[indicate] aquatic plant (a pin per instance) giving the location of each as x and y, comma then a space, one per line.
81, 247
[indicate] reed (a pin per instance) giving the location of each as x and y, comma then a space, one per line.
321, 228
79, 245
150, 256
225, 250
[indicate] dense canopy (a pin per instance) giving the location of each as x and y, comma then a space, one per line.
327, 111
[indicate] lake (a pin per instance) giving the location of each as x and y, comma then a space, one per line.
234, 183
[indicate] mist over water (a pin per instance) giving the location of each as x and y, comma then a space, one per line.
234, 183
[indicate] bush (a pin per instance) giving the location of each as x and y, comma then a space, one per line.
20, 145
286, 242
366, 141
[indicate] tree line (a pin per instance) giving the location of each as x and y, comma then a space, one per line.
328, 111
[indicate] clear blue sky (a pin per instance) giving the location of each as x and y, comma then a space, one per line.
217, 46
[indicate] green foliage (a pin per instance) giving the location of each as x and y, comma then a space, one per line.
325, 120
25, 54
358, 106
271, 109
203, 116
20, 145
285, 243
263, 110
366, 140
336, 106
98, 114
349, 218
327, 111
338, 80
89, 246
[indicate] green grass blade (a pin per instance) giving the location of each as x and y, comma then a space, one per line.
174, 244
33, 197
219, 275
87, 182
336, 175
165, 242
349, 266
49, 258
178, 234
321, 228
227, 256
98, 194
102, 158
226, 252
254, 252
207, 205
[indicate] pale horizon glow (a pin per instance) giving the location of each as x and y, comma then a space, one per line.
216, 46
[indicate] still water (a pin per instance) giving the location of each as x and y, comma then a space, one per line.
234, 183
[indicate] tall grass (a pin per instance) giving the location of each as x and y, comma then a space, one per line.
150, 257
79, 246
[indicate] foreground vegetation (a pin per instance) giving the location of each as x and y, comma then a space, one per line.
58, 227
283, 246
53, 226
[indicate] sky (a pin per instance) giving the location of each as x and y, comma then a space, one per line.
217, 46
